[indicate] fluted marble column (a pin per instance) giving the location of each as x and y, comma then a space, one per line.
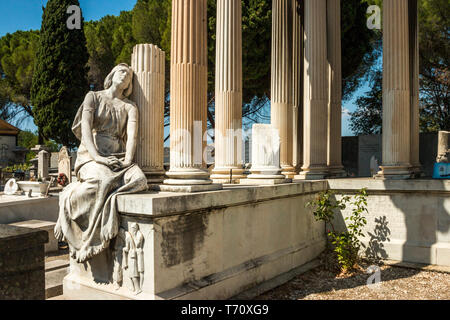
297, 82
188, 94
228, 96
315, 93
396, 92
414, 85
281, 81
335, 86
148, 64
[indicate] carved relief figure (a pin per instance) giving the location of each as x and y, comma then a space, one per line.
107, 126
133, 257
117, 253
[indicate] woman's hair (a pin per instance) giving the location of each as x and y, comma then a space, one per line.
108, 81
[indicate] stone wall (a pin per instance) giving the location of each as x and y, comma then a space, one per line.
7, 145
407, 221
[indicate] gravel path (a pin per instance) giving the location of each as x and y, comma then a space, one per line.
397, 283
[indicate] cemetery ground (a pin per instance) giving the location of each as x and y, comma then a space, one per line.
399, 281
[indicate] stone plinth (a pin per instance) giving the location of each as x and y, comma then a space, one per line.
210, 245
43, 163
22, 275
265, 156
148, 64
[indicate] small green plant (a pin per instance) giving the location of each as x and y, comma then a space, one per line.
346, 244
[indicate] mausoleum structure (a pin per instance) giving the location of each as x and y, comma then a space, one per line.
199, 236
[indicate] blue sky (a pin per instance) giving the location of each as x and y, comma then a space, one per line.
27, 14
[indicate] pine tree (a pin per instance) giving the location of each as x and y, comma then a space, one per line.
60, 74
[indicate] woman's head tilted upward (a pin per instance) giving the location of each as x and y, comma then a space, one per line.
121, 75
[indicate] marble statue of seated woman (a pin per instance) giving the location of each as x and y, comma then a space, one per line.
107, 126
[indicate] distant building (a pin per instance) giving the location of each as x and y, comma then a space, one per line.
10, 152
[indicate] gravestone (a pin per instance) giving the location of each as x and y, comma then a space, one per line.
369, 146
43, 163
64, 165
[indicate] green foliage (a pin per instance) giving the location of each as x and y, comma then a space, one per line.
60, 77
346, 244
17, 53
28, 139
434, 45
367, 118
17, 167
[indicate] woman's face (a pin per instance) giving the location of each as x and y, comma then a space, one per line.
122, 78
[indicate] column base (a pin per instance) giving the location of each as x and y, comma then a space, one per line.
288, 171
337, 172
155, 177
416, 172
313, 174
394, 173
222, 175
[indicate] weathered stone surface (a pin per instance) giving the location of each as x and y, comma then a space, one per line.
210, 245
22, 263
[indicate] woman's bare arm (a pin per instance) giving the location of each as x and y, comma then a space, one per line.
132, 134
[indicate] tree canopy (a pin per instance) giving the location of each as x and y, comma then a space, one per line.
434, 45
60, 74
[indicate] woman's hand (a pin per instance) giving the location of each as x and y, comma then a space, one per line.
111, 162
125, 163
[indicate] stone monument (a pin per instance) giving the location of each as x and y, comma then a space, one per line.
265, 157
107, 126
43, 163
64, 164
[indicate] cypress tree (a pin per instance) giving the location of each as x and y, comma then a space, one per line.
60, 75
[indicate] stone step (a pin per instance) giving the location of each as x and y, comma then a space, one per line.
54, 282
55, 265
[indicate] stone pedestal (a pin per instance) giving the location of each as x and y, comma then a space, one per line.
265, 157
335, 86
396, 92
316, 92
188, 95
281, 110
22, 275
228, 99
148, 64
